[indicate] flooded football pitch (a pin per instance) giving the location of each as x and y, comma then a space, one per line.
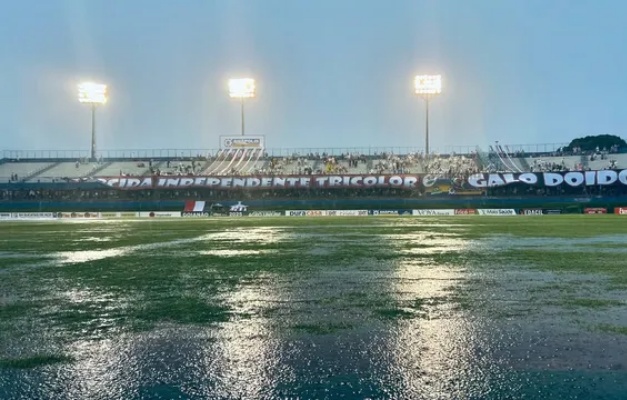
329, 308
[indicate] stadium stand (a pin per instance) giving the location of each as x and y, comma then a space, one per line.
69, 170
19, 171
243, 162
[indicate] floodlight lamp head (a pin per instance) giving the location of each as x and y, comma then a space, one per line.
242, 88
92, 93
428, 85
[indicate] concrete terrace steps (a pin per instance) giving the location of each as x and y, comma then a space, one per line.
96, 170
40, 172
523, 163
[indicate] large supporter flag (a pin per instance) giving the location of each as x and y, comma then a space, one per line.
194, 206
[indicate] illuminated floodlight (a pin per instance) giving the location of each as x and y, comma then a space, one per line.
242, 88
92, 93
428, 84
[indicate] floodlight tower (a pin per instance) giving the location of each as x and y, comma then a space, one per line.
427, 86
243, 88
93, 94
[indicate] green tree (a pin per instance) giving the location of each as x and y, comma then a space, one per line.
590, 143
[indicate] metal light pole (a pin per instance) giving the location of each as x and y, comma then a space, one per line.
93, 94
427, 86
243, 88
242, 101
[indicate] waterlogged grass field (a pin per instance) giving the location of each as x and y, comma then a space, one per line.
356, 308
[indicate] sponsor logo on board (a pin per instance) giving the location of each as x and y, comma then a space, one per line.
595, 210
433, 212
497, 211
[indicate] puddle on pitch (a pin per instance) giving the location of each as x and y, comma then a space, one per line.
252, 235
370, 329
94, 239
235, 253
601, 243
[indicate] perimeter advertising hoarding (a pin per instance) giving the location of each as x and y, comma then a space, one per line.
531, 211
433, 212
242, 142
120, 214
79, 215
34, 215
306, 213
265, 214
160, 214
325, 213
347, 213
620, 210
377, 213
595, 210
465, 211
497, 211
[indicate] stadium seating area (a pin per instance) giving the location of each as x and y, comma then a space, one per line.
258, 162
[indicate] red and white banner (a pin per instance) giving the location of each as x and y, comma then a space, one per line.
194, 206
266, 182
620, 210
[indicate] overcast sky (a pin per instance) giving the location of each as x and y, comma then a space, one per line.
330, 73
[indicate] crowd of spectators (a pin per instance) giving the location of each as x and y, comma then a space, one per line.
453, 166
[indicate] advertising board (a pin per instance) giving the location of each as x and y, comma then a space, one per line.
33, 215
617, 211
433, 212
79, 215
347, 213
265, 214
242, 142
118, 214
389, 212
595, 210
531, 211
465, 211
160, 214
497, 211
193, 214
